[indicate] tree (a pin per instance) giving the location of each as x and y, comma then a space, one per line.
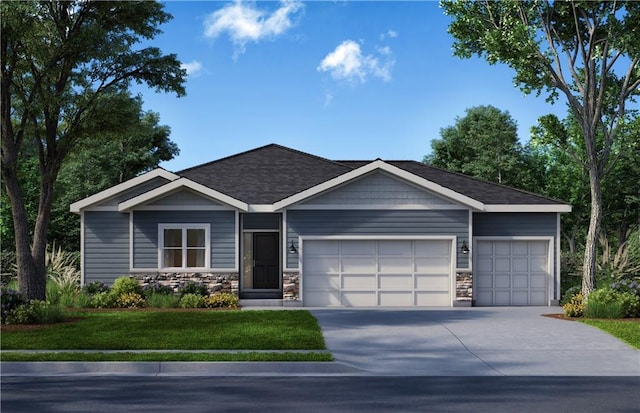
587, 51
58, 60
484, 143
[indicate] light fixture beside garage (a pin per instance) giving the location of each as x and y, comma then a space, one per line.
463, 249
293, 249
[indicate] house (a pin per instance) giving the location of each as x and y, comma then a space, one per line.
276, 225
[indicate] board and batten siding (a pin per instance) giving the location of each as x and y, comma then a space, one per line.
106, 246
222, 235
378, 222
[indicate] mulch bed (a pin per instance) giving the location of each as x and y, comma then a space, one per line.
564, 317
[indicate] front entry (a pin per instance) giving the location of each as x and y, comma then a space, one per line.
261, 265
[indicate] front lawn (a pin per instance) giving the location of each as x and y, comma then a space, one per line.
173, 330
625, 330
167, 356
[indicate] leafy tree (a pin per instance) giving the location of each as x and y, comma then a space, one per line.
484, 143
58, 60
587, 51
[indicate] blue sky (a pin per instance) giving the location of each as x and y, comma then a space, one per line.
341, 80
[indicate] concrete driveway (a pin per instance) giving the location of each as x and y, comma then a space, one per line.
515, 341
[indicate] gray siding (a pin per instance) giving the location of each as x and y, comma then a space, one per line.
380, 190
106, 246
502, 224
184, 198
378, 222
145, 235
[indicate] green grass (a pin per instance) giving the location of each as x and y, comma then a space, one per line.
627, 331
129, 356
174, 330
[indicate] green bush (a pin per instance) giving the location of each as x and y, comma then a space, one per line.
37, 312
606, 303
82, 300
130, 300
570, 293
192, 301
163, 301
103, 300
11, 299
221, 300
192, 287
575, 306
124, 285
95, 287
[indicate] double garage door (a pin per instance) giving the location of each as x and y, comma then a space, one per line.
363, 273
512, 272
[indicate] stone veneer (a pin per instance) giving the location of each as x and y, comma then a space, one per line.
291, 286
215, 282
464, 286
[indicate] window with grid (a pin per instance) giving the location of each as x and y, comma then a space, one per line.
184, 245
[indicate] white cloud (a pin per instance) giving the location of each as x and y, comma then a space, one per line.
245, 23
193, 67
392, 34
348, 63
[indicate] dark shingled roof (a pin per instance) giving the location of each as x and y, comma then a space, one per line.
271, 173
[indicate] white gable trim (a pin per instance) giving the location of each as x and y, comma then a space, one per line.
393, 170
124, 186
178, 184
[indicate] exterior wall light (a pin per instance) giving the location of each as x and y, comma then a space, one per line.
463, 249
293, 249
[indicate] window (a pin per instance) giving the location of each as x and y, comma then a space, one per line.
183, 245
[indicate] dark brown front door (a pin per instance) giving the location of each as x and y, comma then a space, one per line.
266, 260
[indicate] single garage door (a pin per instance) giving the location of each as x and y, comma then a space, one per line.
512, 272
376, 273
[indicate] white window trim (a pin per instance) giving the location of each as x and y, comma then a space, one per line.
184, 227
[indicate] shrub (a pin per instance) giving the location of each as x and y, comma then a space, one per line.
163, 301
575, 306
36, 312
192, 287
10, 299
130, 300
103, 300
605, 303
628, 285
124, 284
155, 288
221, 300
191, 300
569, 294
95, 287
82, 300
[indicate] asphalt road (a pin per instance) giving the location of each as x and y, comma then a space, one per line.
320, 394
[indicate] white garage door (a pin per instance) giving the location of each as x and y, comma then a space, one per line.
376, 273
512, 272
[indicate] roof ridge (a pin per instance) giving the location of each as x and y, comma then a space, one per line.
475, 178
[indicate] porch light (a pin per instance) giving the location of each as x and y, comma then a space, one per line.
465, 248
293, 249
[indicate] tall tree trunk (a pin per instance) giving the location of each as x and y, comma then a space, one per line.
31, 276
591, 247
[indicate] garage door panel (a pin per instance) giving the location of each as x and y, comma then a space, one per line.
322, 298
322, 282
428, 299
520, 281
324, 264
538, 264
359, 264
520, 249
484, 265
395, 248
502, 248
502, 297
538, 248
323, 248
432, 248
395, 282
395, 298
358, 282
538, 298
538, 281
394, 265
502, 264
359, 298
520, 264
502, 281
520, 298
438, 283
484, 281
432, 265
358, 247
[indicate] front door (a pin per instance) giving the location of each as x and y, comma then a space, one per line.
266, 261
260, 265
